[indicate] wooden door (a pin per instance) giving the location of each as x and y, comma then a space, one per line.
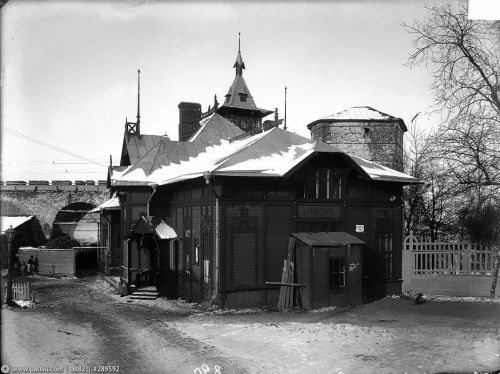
354, 276
337, 269
169, 268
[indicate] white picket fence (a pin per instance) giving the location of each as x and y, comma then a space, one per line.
20, 291
448, 268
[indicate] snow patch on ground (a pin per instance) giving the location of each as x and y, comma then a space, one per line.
467, 299
24, 303
323, 310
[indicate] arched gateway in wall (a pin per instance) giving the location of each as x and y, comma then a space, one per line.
46, 205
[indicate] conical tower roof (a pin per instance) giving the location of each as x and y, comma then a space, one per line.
239, 96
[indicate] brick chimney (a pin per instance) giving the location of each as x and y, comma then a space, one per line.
189, 119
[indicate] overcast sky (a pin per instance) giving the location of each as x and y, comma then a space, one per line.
69, 70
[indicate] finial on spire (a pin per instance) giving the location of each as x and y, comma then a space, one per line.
138, 97
239, 64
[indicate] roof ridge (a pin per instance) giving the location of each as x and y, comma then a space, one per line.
244, 147
207, 120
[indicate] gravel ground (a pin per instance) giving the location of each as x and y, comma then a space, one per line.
84, 321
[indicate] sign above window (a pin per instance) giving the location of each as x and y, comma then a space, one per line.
318, 211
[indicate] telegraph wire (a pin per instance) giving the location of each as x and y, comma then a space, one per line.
47, 145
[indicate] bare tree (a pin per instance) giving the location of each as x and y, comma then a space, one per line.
429, 208
464, 58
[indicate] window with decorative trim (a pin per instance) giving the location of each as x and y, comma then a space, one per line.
206, 271
187, 269
196, 252
385, 269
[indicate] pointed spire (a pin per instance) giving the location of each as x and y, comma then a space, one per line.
239, 64
138, 99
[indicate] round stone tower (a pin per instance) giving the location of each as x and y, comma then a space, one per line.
364, 132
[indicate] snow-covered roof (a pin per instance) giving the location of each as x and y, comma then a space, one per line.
214, 128
272, 153
379, 172
327, 238
155, 225
111, 204
359, 113
14, 221
164, 231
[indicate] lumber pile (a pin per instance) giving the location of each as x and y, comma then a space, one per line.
289, 295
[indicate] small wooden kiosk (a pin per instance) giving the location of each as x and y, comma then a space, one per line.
329, 265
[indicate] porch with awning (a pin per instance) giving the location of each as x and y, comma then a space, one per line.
141, 256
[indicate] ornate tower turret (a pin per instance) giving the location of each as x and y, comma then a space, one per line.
239, 106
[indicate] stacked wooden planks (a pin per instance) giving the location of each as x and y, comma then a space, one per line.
288, 287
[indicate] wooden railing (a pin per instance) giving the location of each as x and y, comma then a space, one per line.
460, 258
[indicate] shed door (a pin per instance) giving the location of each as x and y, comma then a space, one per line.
354, 276
337, 276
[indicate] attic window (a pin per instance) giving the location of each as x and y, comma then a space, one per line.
228, 96
367, 131
323, 183
243, 96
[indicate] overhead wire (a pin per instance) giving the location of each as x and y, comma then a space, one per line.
47, 145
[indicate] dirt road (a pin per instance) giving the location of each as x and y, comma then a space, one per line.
84, 322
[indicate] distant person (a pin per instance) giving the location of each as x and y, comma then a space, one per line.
30, 266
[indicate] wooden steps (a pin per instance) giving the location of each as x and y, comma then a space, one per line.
145, 293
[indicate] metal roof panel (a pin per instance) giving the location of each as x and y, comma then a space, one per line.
327, 238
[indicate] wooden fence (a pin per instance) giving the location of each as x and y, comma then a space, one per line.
20, 291
454, 268
51, 262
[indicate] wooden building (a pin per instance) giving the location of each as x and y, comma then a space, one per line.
109, 254
29, 232
329, 266
233, 203
208, 218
